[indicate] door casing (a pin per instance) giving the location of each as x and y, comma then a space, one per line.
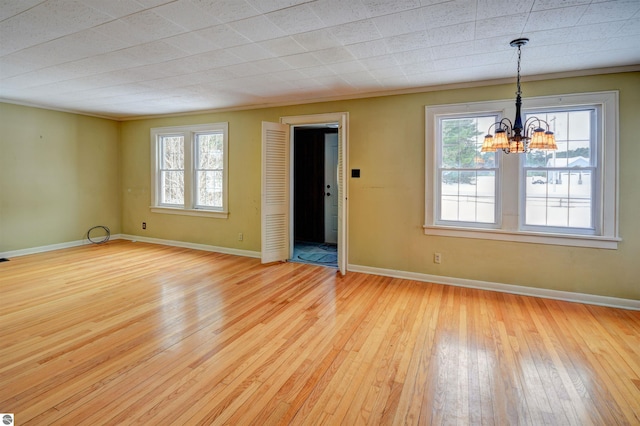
342, 120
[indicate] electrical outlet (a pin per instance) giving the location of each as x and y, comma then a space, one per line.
144, 225
437, 258
240, 236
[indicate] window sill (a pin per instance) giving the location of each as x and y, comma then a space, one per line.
190, 212
590, 241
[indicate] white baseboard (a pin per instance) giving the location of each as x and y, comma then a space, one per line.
204, 247
568, 296
589, 299
50, 247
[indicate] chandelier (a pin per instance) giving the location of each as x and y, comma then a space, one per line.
514, 137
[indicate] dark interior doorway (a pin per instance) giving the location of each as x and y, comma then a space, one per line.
308, 183
309, 190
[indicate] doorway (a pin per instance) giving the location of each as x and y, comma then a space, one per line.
315, 194
276, 216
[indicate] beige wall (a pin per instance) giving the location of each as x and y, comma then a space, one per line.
386, 204
59, 176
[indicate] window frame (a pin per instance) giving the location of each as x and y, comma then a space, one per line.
160, 169
596, 160
189, 134
511, 185
437, 176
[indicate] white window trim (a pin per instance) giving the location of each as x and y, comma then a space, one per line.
189, 133
438, 191
510, 205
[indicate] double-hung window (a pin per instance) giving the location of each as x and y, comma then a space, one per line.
565, 197
466, 179
189, 170
559, 187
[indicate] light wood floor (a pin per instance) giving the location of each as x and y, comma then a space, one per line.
127, 333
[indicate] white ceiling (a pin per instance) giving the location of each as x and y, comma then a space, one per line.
126, 58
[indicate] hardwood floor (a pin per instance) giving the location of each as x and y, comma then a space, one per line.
127, 333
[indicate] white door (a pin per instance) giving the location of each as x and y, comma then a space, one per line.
331, 188
275, 192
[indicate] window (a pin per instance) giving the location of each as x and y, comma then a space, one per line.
171, 170
565, 197
466, 178
189, 170
559, 185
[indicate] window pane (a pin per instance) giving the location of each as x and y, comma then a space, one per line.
537, 158
172, 152
536, 197
579, 125
210, 151
172, 187
209, 191
449, 208
559, 198
468, 196
572, 130
580, 207
486, 205
462, 140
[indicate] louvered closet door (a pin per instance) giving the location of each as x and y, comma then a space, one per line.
275, 192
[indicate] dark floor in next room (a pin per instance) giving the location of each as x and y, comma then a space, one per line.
324, 254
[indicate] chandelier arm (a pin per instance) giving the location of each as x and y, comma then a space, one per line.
529, 129
505, 124
541, 123
531, 120
532, 124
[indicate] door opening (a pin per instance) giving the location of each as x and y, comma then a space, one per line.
315, 194
277, 215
